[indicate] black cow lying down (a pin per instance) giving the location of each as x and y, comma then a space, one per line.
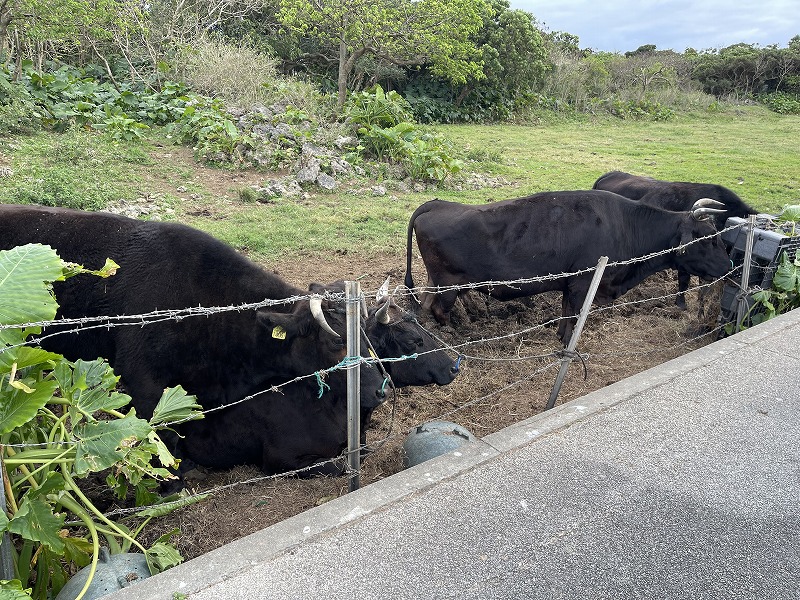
254, 432
553, 233
222, 357
676, 196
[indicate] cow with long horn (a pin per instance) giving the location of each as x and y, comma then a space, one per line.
495, 248
222, 356
676, 196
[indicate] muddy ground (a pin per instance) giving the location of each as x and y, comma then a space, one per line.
507, 377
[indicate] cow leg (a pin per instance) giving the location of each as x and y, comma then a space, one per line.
683, 284
439, 303
567, 321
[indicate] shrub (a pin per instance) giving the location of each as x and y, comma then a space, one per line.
373, 107
243, 76
782, 103
18, 112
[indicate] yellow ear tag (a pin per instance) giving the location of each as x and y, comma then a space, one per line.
279, 333
372, 354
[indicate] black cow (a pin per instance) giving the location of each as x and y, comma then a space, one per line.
553, 233
220, 357
676, 196
254, 432
395, 333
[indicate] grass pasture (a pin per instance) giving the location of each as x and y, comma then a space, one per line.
748, 149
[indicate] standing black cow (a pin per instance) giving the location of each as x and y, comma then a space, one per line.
222, 357
676, 196
552, 233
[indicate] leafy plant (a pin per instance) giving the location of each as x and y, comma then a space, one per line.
61, 421
377, 108
203, 121
783, 296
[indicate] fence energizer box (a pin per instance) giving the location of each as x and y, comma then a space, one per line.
770, 238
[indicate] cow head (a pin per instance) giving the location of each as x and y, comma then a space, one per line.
396, 333
706, 257
314, 338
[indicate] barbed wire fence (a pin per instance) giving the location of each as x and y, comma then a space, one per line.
556, 358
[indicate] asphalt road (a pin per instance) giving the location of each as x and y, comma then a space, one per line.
682, 482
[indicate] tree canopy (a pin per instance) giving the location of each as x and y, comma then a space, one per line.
402, 32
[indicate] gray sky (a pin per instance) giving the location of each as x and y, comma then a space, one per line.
622, 25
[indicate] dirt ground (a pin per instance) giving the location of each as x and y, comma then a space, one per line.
506, 377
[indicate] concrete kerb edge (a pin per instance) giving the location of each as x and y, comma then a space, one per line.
243, 554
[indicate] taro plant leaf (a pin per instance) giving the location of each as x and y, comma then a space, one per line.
13, 590
36, 521
78, 550
102, 443
24, 357
18, 406
787, 276
25, 294
176, 405
162, 555
790, 213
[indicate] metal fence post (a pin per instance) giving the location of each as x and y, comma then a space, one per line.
576, 332
353, 293
742, 306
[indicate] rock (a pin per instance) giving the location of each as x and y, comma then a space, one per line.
325, 181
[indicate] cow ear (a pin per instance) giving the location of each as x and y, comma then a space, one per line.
686, 235
281, 326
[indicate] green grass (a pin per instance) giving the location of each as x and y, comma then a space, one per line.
750, 150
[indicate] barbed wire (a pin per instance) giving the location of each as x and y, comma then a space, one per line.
179, 314
157, 316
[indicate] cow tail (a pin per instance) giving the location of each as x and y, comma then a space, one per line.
409, 280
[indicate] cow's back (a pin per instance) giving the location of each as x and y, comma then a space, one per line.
162, 266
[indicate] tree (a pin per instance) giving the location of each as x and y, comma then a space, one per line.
402, 32
518, 55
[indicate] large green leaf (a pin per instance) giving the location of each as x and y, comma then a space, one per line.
162, 555
25, 276
25, 357
103, 443
18, 405
36, 521
787, 276
176, 405
13, 590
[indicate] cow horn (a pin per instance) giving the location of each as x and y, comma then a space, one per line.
315, 304
702, 209
363, 303
382, 314
383, 291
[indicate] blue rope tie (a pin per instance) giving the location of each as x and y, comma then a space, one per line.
321, 383
347, 361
